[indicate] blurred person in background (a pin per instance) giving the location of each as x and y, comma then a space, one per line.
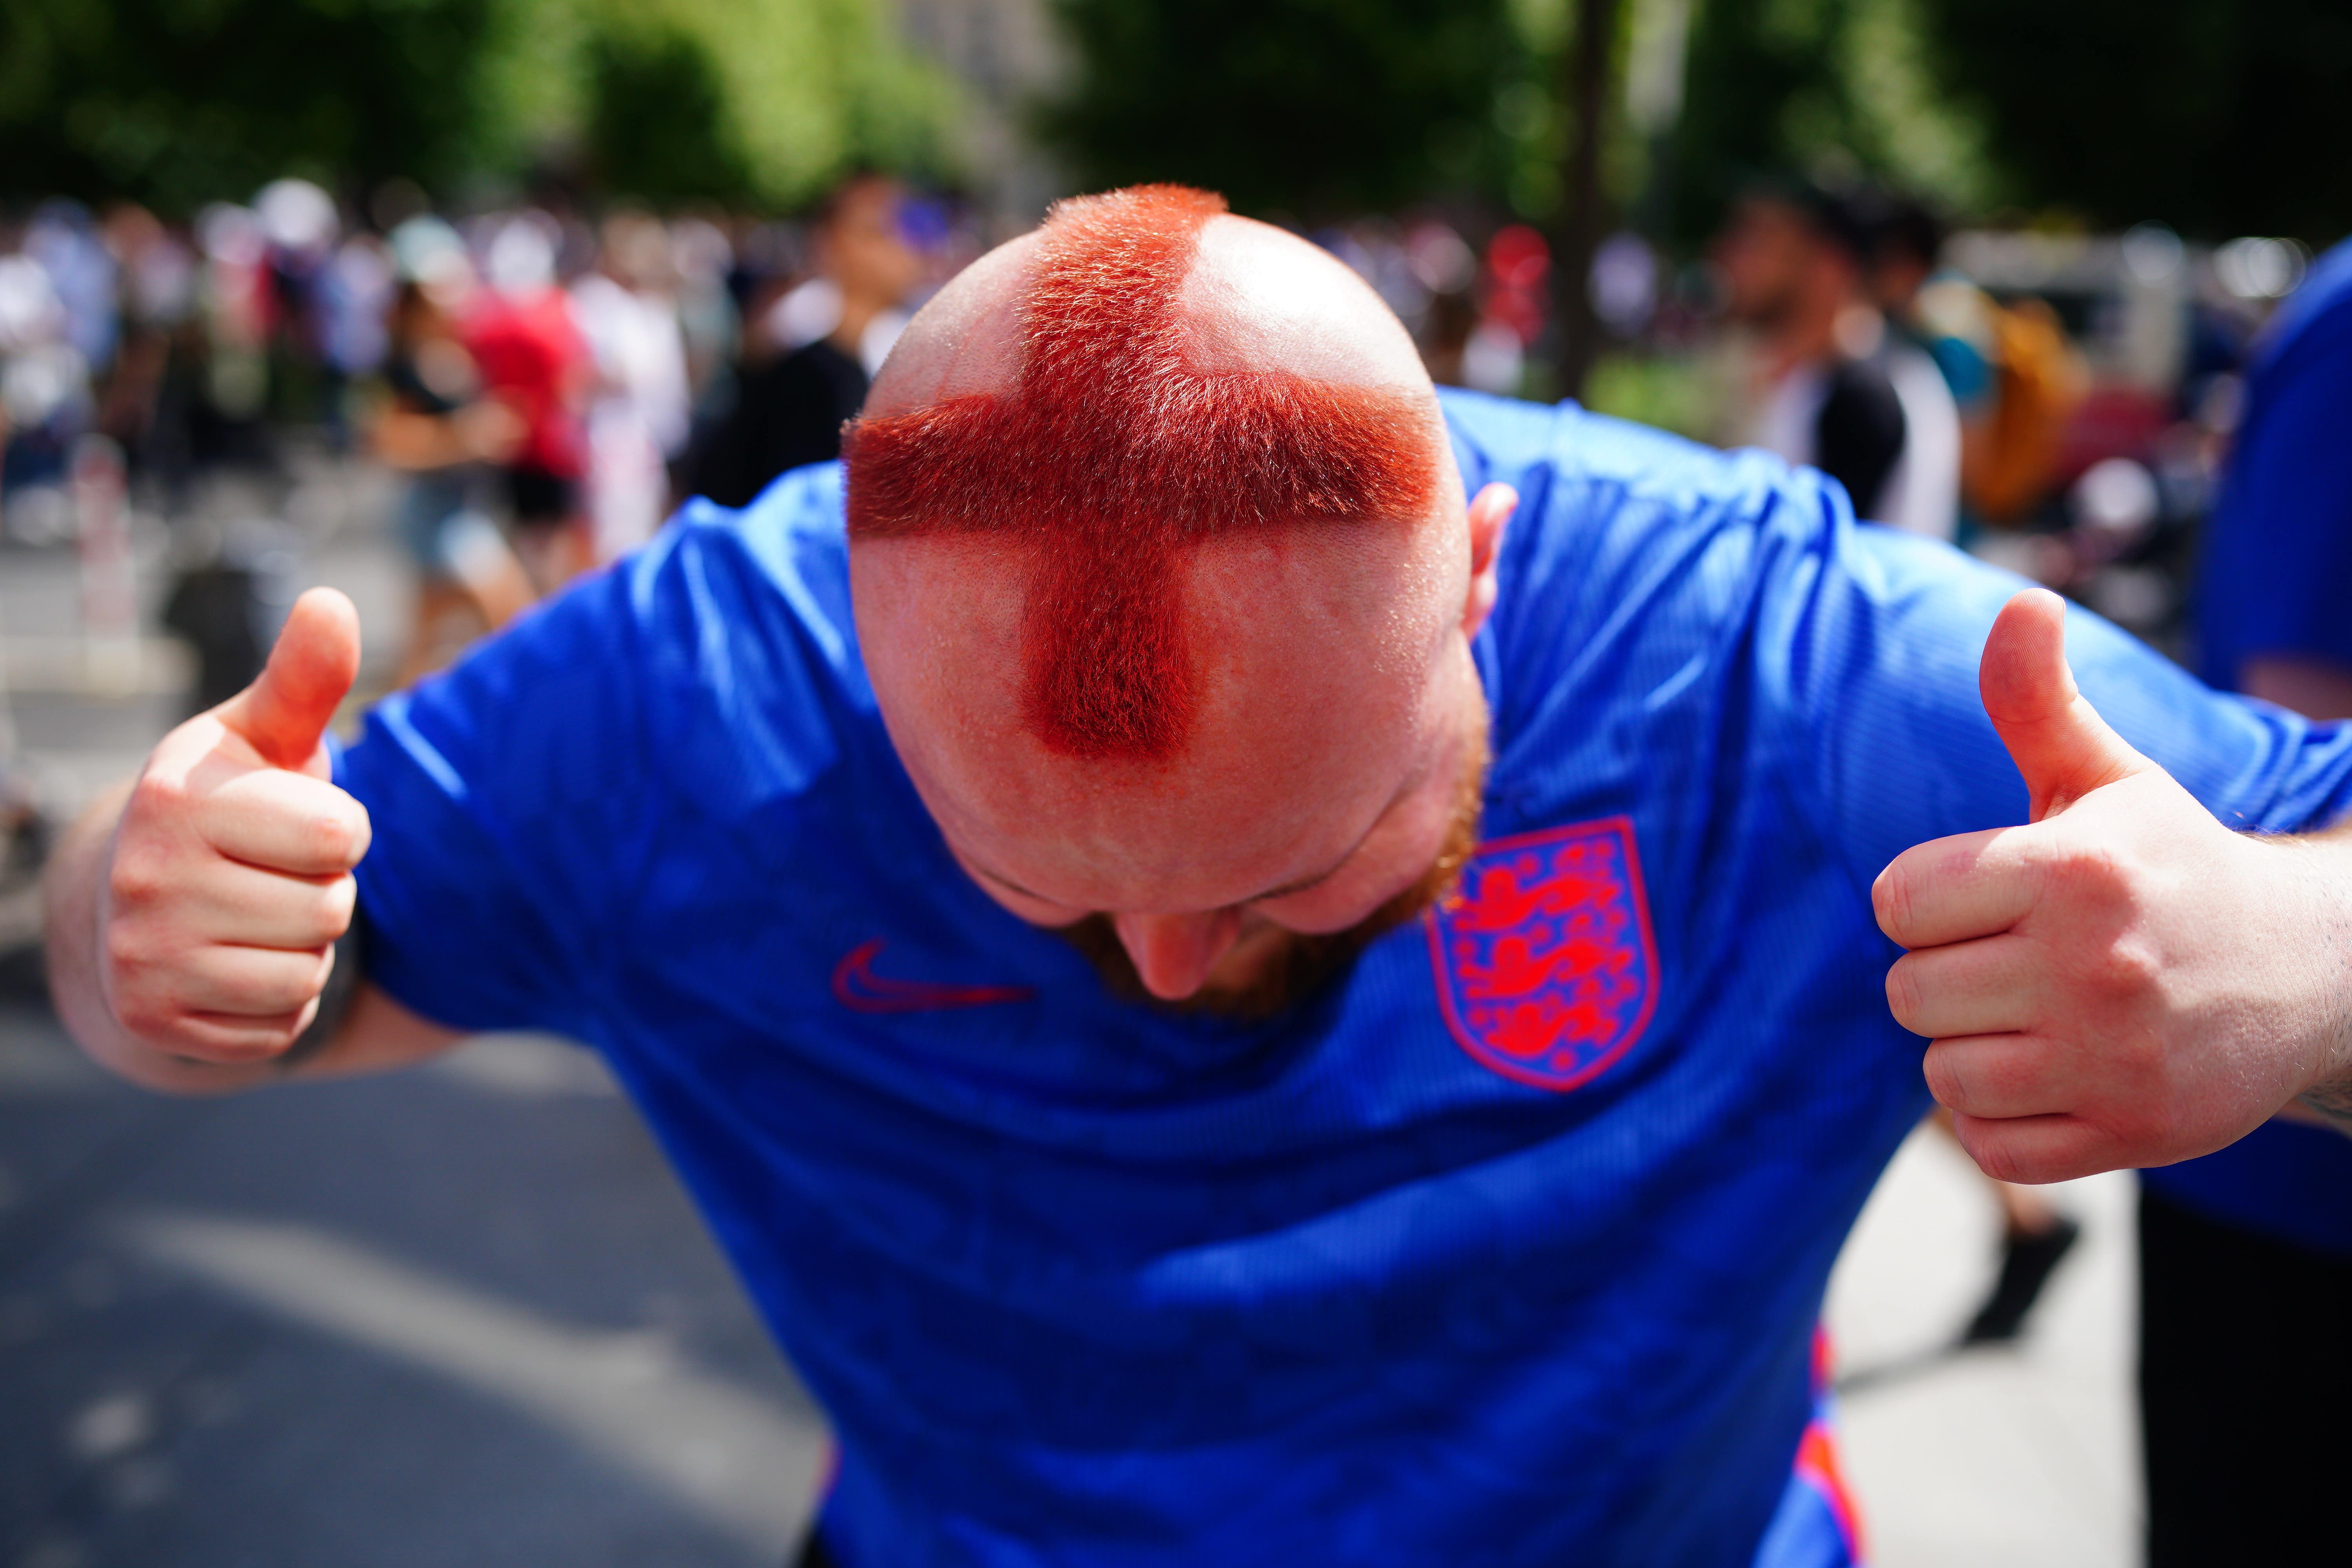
45, 389
528, 350
300, 226
438, 427
823, 341
158, 272
1514, 304
355, 290
229, 361
69, 248
2246, 1254
2014, 377
639, 409
1827, 385
701, 258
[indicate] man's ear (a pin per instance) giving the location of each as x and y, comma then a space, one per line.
1490, 510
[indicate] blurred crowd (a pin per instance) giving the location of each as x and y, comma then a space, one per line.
548, 385
551, 384
2060, 403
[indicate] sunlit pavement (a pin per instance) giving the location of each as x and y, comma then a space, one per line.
464, 1315
2023, 1456
460, 1316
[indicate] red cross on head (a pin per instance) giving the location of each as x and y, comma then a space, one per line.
1115, 451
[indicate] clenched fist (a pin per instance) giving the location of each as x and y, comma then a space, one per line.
230, 876
2124, 982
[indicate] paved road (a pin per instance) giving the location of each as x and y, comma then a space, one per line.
464, 1315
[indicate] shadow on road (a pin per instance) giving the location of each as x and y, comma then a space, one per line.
462, 1314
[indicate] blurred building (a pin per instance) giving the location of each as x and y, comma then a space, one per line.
1004, 54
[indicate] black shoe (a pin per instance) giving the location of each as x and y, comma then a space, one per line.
2027, 1262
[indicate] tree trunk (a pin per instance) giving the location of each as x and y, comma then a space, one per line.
1585, 74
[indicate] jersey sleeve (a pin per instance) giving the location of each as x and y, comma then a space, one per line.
1878, 641
473, 782
521, 801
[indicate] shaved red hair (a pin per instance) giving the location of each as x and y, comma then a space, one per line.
1114, 453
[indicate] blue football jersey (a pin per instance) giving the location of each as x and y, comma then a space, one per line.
1506, 1248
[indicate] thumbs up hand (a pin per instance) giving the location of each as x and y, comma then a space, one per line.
2124, 982
229, 877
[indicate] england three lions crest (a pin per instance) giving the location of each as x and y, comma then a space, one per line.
1546, 968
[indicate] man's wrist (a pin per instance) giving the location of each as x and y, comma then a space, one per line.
2330, 1093
2332, 1105
335, 1002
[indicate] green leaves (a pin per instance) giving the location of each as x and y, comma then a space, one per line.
1303, 107
179, 102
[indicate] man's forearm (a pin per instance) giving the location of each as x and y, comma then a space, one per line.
2330, 861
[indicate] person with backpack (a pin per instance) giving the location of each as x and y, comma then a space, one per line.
2015, 377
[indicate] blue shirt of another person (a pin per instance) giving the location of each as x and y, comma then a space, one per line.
2277, 581
1507, 1248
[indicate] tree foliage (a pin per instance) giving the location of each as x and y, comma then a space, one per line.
177, 102
658, 126
2219, 118
1304, 107
180, 102
1835, 89
776, 97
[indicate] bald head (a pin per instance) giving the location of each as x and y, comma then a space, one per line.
1242, 297
1160, 559
1151, 399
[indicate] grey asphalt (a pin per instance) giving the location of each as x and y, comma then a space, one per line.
459, 1315
463, 1315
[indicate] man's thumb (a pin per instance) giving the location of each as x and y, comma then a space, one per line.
2059, 743
284, 712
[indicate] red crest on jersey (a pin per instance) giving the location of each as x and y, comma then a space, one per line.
1546, 967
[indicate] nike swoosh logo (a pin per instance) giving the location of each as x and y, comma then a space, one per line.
856, 987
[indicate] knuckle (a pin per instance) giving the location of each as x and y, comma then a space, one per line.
137, 877
1997, 1158
319, 839
332, 838
2009, 1074
1903, 997
2093, 875
1943, 1077
129, 948
1891, 900
362, 830
2124, 970
158, 795
247, 1046
270, 989
146, 1016
337, 903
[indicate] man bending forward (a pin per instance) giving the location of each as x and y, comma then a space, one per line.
1228, 1008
